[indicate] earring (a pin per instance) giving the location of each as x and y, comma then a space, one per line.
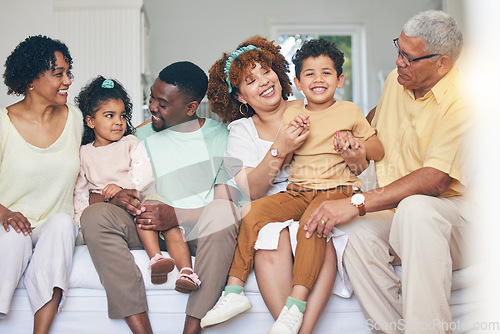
31, 87
241, 112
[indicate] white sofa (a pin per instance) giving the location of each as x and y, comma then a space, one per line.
85, 309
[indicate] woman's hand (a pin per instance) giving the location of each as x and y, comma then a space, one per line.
291, 136
110, 190
18, 222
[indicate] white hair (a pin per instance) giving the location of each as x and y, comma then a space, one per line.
439, 30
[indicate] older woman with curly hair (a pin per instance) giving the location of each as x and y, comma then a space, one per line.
39, 141
250, 89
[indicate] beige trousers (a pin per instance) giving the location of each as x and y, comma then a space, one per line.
430, 237
110, 233
212, 241
45, 259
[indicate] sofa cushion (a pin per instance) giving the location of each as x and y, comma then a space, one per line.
85, 276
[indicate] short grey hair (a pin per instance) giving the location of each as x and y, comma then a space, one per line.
439, 30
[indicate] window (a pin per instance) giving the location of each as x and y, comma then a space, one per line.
350, 40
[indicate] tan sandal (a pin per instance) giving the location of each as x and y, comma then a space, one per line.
187, 282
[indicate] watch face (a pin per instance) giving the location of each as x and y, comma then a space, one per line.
274, 152
357, 199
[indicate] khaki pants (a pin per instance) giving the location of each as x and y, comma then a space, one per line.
430, 237
110, 233
297, 203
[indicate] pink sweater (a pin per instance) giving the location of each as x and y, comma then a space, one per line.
124, 163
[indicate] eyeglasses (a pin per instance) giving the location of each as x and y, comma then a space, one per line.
407, 60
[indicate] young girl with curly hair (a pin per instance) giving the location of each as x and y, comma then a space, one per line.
113, 159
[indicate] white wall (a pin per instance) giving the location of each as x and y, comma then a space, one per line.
202, 30
104, 38
21, 19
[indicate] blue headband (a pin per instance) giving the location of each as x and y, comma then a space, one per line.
235, 55
108, 84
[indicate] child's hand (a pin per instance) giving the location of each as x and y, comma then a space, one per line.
301, 121
352, 151
109, 191
342, 143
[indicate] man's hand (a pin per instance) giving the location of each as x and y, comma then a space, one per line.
157, 216
130, 201
332, 213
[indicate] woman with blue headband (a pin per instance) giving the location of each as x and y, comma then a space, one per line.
250, 88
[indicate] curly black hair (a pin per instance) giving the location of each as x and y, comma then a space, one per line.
189, 79
315, 48
30, 58
268, 55
89, 101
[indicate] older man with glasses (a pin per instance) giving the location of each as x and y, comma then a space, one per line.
419, 215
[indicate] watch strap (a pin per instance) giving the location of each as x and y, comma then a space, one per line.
362, 210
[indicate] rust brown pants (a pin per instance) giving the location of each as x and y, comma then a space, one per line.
296, 203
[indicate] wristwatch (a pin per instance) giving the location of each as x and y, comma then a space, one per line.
275, 153
358, 200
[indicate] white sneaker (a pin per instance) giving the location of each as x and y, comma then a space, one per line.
288, 322
226, 308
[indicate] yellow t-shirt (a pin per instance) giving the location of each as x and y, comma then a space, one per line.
426, 132
316, 164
